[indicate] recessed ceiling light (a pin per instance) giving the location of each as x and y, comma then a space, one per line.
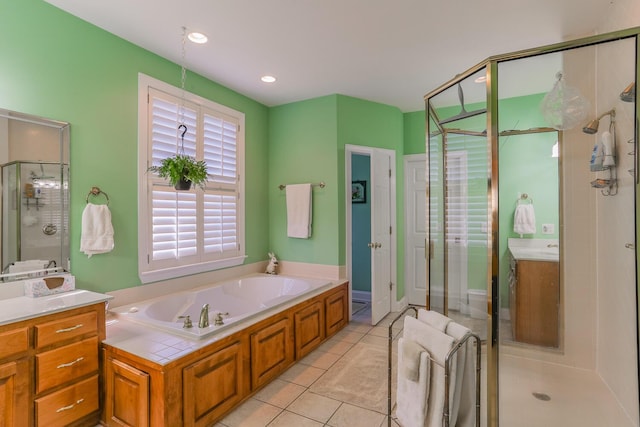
197, 37
268, 79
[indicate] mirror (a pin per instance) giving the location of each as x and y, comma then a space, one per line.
34, 159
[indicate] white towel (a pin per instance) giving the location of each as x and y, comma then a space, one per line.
435, 319
463, 412
438, 345
299, 210
524, 220
412, 396
97, 230
411, 361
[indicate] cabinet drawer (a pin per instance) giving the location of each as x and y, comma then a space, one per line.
69, 404
66, 363
14, 342
64, 329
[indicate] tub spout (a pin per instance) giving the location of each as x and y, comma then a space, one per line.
204, 317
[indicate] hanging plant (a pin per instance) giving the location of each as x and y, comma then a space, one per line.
182, 170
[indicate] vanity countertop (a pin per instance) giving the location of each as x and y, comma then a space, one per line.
21, 308
534, 249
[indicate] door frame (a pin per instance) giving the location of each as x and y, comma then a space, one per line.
368, 151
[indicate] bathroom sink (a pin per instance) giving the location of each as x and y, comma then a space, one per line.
534, 249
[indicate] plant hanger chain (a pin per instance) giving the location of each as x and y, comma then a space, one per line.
183, 76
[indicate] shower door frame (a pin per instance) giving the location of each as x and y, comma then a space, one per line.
490, 67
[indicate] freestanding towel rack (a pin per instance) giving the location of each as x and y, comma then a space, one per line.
447, 368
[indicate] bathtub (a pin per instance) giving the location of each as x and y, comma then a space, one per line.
242, 299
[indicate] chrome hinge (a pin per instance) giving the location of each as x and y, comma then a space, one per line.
389, 173
390, 286
390, 230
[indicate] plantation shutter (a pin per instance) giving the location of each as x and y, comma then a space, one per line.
194, 226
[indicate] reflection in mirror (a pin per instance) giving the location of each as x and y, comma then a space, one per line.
35, 198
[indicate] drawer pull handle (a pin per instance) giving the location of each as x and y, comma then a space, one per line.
73, 328
66, 408
66, 365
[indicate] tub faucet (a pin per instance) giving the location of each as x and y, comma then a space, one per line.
204, 317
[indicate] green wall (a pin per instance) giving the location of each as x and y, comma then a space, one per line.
55, 65
303, 148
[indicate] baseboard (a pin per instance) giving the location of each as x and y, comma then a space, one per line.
362, 296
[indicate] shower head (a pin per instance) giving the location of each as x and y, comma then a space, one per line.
592, 126
629, 93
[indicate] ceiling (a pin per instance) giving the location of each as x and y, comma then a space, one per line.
387, 51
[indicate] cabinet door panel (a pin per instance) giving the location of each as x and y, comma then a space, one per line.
309, 328
336, 308
14, 393
127, 395
271, 352
212, 386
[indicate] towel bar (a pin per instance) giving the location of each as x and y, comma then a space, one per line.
447, 368
95, 191
320, 184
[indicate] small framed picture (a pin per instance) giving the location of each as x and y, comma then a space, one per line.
358, 191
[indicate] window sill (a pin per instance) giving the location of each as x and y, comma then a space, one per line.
186, 270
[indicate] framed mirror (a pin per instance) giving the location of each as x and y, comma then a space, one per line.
34, 160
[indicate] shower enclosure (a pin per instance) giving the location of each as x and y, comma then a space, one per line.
34, 223
531, 243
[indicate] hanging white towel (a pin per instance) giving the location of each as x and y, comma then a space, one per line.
438, 345
524, 220
299, 210
463, 412
97, 230
435, 319
412, 395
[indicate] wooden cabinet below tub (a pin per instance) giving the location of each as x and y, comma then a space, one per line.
535, 303
202, 386
49, 371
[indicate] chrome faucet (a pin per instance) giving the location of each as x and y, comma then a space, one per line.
204, 317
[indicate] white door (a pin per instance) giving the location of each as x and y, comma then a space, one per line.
415, 228
381, 232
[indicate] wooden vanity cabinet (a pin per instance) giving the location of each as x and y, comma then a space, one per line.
201, 387
49, 373
535, 303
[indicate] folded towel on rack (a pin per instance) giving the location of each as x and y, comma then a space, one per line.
97, 230
412, 396
299, 210
524, 219
438, 345
435, 319
410, 365
463, 412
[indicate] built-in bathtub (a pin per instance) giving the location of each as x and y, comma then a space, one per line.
238, 300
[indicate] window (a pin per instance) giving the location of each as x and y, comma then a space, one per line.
187, 232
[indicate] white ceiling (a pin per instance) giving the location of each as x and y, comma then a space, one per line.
387, 51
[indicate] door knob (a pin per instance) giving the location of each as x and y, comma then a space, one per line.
371, 245
378, 245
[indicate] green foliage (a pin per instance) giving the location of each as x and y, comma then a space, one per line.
182, 166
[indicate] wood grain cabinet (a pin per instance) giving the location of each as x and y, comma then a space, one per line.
201, 387
535, 303
49, 370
